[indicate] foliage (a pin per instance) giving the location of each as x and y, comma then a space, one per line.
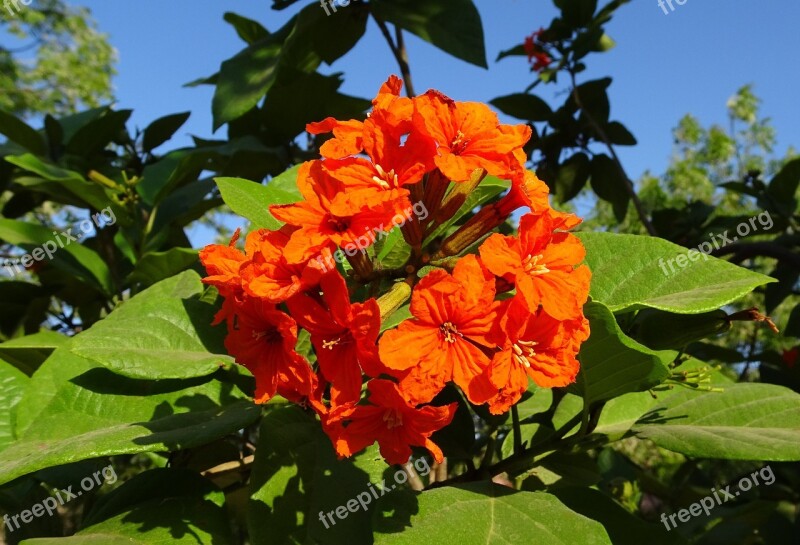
109, 355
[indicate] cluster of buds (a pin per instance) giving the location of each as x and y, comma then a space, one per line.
486, 321
535, 47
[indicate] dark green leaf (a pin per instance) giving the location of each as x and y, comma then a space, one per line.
162, 129
27, 353
572, 176
248, 30
20, 133
523, 106
454, 26
157, 266
609, 182
618, 134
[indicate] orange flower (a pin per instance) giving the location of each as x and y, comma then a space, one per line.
263, 339
222, 265
447, 338
526, 190
390, 111
541, 263
533, 345
392, 421
268, 274
469, 136
329, 216
344, 336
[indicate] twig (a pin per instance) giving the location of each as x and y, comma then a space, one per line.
399, 52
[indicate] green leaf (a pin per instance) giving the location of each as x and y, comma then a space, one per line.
73, 259
18, 132
572, 176
90, 193
630, 272
97, 134
248, 30
609, 182
783, 187
577, 13
12, 384
157, 266
623, 528
75, 410
153, 484
173, 336
296, 476
621, 413
29, 352
251, 200
244, 80
486, 513
619, 134
162, 129
182, 520
523, 106
516, 51
454, 26
308, 97
745, 422
613, 364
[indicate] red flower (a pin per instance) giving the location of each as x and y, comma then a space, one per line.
344, 336
533, 345
392, 421
263, 339
790, 357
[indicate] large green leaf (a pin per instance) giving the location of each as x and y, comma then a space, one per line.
745, 422
485, 513
12, 384
75, 410
162, 333
20, 133
27, 353
454, 26
628, 273
623, 528
251, 200
297, 479
523, 106
613, 364
170, 517
73, 259
157, 266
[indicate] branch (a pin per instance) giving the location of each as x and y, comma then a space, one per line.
399, 52
637, 203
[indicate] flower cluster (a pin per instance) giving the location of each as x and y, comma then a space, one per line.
485, 321
535, 49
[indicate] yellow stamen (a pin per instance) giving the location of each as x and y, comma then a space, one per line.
532, 266
393, 419
449, 331
385, 179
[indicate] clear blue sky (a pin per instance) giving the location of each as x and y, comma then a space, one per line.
664, 66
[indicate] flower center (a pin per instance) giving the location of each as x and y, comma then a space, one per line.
523, 350
532, 266
270, 335
458, 145
328, 345
449, 331
339, 225
393, 418
385, 179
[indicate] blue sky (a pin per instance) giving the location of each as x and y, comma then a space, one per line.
691, 60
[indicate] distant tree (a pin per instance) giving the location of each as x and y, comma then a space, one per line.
52, 59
